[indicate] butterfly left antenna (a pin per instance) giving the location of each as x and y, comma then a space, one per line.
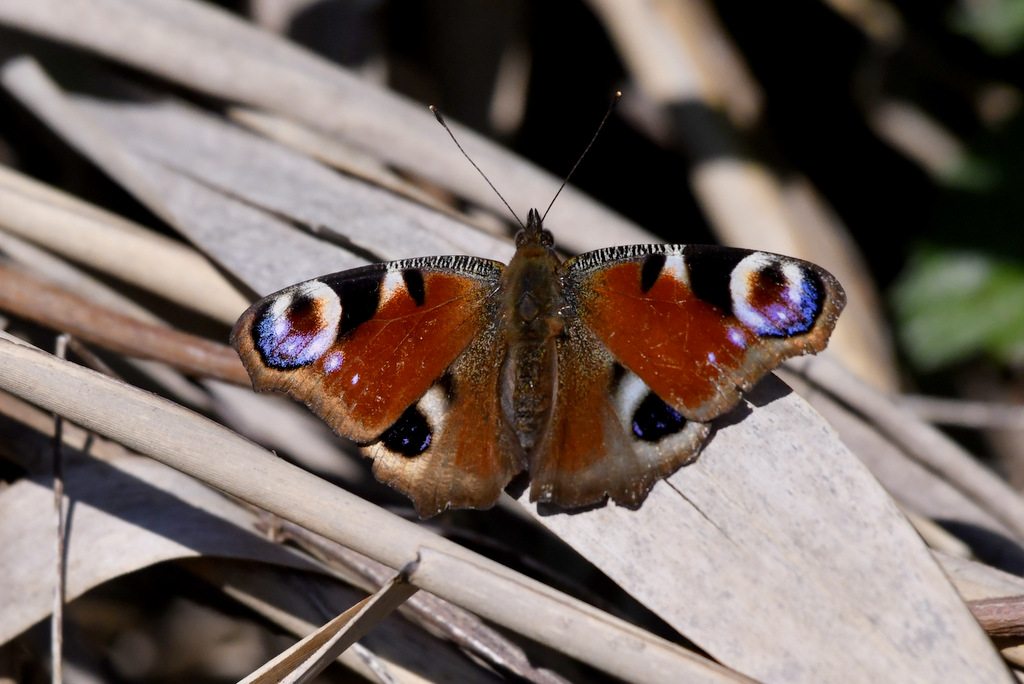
440, 120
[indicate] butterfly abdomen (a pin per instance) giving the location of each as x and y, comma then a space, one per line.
532, 305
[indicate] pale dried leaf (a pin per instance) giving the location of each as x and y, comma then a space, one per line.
181, 42
132, 254
124, 503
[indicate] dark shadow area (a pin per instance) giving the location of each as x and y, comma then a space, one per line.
990, 547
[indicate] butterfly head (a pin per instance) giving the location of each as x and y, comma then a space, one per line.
533, 233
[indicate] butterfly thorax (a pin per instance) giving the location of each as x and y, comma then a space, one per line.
532, 304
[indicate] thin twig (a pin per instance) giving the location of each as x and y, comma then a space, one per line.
463, 629
1000, 617
47, 304
980, 415
90, 359
59, 591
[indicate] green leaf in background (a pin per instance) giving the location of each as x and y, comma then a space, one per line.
972, 173
953, 304
998, 25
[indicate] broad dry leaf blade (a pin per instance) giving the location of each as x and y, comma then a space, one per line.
125, 515
204, 48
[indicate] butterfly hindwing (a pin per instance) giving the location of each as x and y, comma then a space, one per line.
609, 435
471, 451
701, 323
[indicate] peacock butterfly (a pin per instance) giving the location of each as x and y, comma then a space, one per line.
598, 375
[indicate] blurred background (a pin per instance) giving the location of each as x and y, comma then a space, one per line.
883, 140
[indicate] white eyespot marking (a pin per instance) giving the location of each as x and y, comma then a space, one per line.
712, 358
676, 268
628, 395
433, 405
643, 415
772, 296
414, 432
355, 379
393, 284
299, 326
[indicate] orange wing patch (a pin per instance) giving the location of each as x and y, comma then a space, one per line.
684, 348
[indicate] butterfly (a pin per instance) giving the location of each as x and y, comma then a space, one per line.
598, 375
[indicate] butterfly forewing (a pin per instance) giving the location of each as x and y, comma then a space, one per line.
361, 346
700, 323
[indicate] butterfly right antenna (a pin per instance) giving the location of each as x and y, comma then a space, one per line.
611, 106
